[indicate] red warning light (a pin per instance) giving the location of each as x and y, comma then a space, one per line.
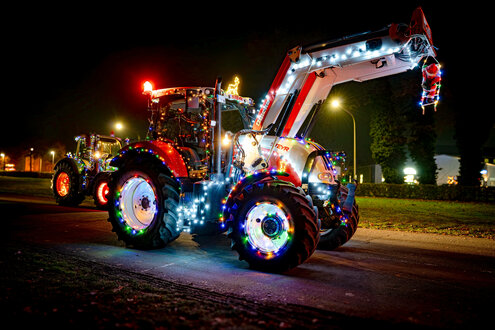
147, 88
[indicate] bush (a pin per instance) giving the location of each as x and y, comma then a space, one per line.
426, 191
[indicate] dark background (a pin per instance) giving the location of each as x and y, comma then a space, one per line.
70, 70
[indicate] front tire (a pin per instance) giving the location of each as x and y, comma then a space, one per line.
272, 225
342, 224
101, 191
143, 207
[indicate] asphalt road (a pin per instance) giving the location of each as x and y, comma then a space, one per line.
421, 279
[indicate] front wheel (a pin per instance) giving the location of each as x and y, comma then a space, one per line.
338, 224
143, 207
272, 225
101, 191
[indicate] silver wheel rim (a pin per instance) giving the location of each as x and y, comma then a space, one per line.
138, 202
267, 227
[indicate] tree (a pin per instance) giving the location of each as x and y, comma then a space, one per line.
421, 133
421, 145
386, 131
471, 133
473, 121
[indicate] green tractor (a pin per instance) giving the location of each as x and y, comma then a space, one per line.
86, 172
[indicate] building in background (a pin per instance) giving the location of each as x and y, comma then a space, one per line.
447, 169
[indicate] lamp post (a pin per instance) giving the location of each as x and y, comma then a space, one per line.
336, 105
120, 127
31, 159
53, 157
3, 160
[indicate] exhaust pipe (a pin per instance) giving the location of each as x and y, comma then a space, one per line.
218, 103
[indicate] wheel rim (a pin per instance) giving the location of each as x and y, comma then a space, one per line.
268, 227
138, 202
63, 184
102, 193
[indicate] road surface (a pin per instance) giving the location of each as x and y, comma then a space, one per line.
420, 279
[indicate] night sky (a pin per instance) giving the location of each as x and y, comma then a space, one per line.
79, 69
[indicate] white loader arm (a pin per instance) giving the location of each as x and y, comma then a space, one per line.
307, 74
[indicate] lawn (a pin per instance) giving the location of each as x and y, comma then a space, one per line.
442, 217
26, 186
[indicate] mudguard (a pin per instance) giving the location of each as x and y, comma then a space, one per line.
163, 151
349, 201
253, 178
76, 165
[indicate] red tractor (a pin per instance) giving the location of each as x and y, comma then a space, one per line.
86, 172
274, 191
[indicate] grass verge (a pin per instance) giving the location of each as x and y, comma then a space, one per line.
27, 186
439, 217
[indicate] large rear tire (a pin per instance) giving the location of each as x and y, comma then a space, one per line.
143, 206
272, 225
65, 185
333, 236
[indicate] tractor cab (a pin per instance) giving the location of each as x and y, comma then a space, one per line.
184, 117
96, 149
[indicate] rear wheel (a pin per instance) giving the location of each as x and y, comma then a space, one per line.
65, 185
272, 225
143, 207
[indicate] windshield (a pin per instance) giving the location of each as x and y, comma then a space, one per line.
107, 147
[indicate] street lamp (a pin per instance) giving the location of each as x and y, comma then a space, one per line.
53, 157
337, 105
31, 159
120, 127
3, 160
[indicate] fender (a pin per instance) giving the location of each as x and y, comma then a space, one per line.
275, 162
163, 151
72, 162
236, 192
104, 175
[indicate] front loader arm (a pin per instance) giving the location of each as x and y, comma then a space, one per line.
307, 74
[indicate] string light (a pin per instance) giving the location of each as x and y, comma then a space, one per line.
233, 88
431, 83
196, 211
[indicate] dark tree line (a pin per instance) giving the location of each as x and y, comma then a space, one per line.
399, 127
